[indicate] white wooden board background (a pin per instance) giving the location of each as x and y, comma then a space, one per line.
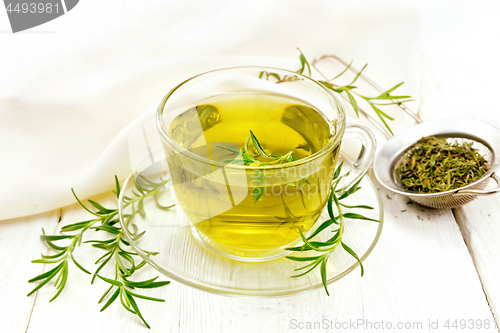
429, 265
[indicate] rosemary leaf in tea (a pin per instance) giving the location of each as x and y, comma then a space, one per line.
434, 165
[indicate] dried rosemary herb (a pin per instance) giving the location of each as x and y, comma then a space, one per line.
435, 165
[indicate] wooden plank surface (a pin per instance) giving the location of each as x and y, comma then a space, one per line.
480, 228
447, 69
420, 272
19, 244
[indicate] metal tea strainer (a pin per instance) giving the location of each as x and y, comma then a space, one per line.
484, 137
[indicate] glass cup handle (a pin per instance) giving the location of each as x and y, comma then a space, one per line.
365, 155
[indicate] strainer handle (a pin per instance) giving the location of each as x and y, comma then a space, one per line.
484, 192
365, 155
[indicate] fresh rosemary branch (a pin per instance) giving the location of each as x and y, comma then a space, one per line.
325, 248
375, 102
246, 157
105, 220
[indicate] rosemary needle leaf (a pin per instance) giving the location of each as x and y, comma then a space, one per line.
106, 293
387, 92
352, 253
48, 278
100, 208
102, 246
125, 302
323, 274
117, 187
129, 258
46, 274
154, 299
353, 189
81, 204
55, 237
358, 75
304, 63
385, 97
111, 299
78, 265
329, 207
322, 227
341, 73
55, 247
57, 255
163, 206
114, 282
140, 208
135, 238
108, 228
380, 112
311, 266
274, 75
353, 102
136, 308
138, 185
257, 145
75, 226
100, 268
45, 261
140, 283
301, 248
124, 242
338, 170
382, 119
64, 279
310, 244
142, 264
359, 217
229, 149
357, 206
257, 194
106, 241
105, 255
109, 218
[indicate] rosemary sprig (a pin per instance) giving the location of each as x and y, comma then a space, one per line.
375, 102
105, 220
247, 157
325, 248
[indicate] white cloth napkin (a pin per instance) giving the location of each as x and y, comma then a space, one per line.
70, 98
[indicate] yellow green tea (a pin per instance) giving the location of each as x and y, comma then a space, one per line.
217, 191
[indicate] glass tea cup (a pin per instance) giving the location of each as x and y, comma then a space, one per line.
252, 153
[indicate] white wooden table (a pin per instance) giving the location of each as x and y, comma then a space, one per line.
430, 268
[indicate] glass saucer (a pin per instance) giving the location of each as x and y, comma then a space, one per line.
181, 258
